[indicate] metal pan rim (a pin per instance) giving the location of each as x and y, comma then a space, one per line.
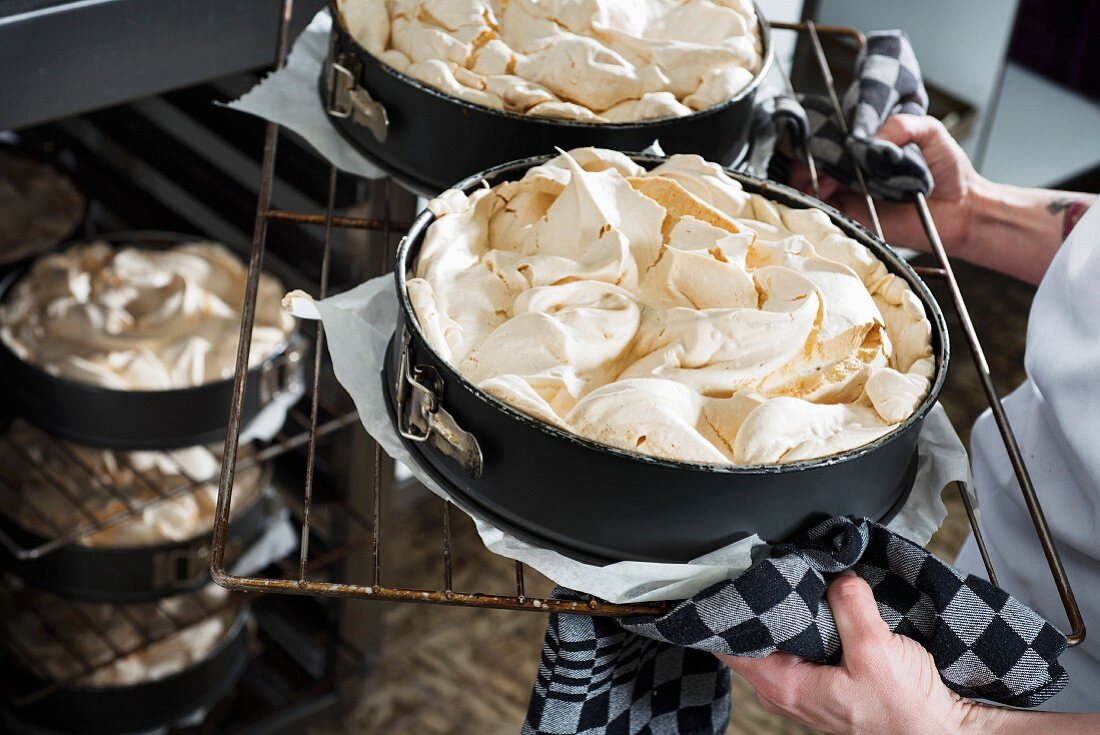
583, 552
754, 184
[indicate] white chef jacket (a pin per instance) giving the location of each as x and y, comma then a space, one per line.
1056, 418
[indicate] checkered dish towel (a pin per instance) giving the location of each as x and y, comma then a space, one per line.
656, 675
888, 82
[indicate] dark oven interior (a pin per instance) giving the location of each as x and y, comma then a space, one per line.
177, 162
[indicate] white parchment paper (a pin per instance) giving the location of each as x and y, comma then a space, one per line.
277, 541
358, 325
290, 98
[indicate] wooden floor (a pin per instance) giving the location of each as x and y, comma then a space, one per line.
454, 670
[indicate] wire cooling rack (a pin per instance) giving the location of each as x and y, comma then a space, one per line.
377, 588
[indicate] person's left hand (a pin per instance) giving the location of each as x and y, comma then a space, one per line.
885, 683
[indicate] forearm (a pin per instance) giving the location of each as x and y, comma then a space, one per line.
1018, 231
982, 720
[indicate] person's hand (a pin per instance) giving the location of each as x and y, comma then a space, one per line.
957, 187
885, 683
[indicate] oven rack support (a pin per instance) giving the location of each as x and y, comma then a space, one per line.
376, 590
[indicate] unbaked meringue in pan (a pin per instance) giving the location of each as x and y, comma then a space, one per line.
671, 313
134, 318
599, 61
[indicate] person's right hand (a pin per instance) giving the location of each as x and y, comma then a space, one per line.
952, 200
885, 684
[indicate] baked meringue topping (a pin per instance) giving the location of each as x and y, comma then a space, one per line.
671, 313
53, 488
39, 206
140, 318
592, 60
81, 626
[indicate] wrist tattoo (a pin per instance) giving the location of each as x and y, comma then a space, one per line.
1071, 209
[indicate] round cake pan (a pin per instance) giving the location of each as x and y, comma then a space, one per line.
145, 706
431, 139
132, 573
596, 503
153, 419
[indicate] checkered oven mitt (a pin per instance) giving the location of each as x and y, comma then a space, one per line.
888, 82
655, 675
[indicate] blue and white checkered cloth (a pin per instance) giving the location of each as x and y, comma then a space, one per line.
888, 82
656, 675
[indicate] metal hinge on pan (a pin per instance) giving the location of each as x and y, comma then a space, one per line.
181, 568
420, 418
187, 568
346, 99
283, 374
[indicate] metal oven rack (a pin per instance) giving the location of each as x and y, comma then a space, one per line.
283, 442
299, 432
377, 589
86, 643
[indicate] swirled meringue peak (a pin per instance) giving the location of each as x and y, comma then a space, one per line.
598, 61
136, 318
670, 312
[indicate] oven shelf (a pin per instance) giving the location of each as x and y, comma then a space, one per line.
380, 589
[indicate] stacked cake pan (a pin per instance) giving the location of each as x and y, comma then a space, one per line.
108, 505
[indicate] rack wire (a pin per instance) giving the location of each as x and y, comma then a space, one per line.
85, 643
157, 621
377, 589
299, 433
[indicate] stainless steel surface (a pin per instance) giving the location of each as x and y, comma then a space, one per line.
62, 58
372, 527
